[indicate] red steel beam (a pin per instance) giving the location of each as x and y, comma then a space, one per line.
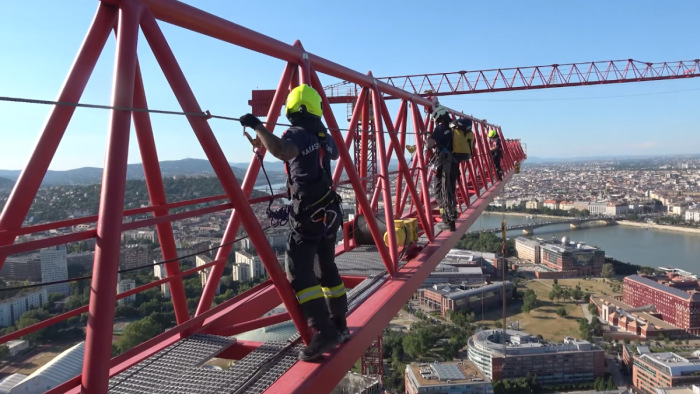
98, 334
376, 312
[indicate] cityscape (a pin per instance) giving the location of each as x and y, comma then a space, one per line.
576, 319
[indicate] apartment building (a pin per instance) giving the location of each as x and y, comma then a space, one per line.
450, 377
678, 307
653, 370
569, 362
527, 249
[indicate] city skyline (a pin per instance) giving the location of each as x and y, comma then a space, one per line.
630, 118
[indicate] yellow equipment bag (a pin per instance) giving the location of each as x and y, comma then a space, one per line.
462, 143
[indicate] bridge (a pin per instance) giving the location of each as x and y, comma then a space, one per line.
575, 223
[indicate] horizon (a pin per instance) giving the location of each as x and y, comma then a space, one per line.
588, 121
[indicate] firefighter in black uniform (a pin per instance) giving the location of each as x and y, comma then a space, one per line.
307, 149
445, 179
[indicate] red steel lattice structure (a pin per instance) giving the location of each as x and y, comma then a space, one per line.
126, 19
534, 77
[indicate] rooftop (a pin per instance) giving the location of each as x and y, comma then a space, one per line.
656, 285
438, 374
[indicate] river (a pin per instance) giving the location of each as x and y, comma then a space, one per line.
651, 248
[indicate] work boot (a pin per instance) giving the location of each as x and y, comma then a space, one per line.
342, 326
453, 226
322, 342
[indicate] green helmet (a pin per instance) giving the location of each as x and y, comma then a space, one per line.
492, 134
304, 99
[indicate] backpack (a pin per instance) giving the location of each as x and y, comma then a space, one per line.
462, 143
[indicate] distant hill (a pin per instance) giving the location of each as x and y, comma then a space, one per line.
185, 167
6, 183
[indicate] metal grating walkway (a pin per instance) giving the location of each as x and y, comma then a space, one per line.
177, 369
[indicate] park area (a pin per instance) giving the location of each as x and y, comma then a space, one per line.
544, 319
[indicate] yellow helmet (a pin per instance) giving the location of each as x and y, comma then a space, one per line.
492, 134
304, 99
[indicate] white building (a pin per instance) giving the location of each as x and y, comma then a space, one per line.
65, 366
204, 274
241, 272
255, 265
17, 346
159, 273
12, 308
126, 285
692, 215
54, 266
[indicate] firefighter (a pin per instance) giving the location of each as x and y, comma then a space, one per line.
447, 168
307, 149
496, 152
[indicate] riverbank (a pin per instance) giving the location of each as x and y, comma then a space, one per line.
525, 214
662, 227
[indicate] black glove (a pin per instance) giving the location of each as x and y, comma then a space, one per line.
249, 120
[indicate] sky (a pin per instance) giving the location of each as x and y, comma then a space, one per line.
40, 39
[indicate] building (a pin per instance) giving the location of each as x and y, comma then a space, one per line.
533, 204
201, 260
54, 267
22, 267
634, 320
450, 377
679, 390
126, 285
527, 249
654, 370
159, 272
241, 272
138, 235
254, 263
583, 259
551, 204
132, 256
569, 362
65, 366
83, 260
16, 346
677, 307
598, 208
450, 274
692, 215
464, 297
12, 308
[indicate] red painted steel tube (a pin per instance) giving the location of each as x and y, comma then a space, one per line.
350, 136
98, 334
24, 191
399, 123
404, 168
211, 148
375, 313
80, 310
419, 129
383, 170
352, 175
248, 184
156, 193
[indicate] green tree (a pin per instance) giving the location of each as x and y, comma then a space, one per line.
593, 309
561, 311
529, 301
608, 271
611, 384
139, 332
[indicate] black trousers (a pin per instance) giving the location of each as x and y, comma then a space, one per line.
445, 185
312, 243
497, 156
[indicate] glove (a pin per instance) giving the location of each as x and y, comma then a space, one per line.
249, 120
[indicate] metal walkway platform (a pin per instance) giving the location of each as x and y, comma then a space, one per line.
178, 368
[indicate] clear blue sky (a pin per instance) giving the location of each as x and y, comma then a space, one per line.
39, 40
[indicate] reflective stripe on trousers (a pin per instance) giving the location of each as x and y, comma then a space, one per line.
309, 293
334, 292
